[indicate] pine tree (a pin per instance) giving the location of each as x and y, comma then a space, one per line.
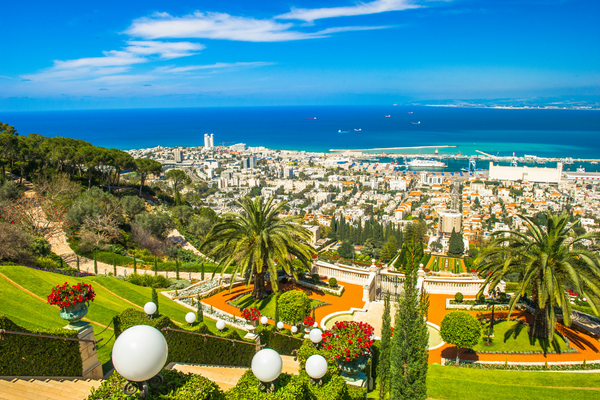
155, 301
410, 341
95, 265
155, 266
383, 369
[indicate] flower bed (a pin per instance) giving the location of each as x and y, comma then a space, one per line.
321, 286
66, 295
348, 340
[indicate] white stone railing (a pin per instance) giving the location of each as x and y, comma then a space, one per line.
449, 285
347, 274
370, 288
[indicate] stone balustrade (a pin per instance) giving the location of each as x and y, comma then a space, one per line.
357, 276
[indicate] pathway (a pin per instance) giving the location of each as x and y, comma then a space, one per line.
46, 389
352, 297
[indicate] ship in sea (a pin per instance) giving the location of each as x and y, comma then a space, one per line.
421, 163
388, 116
311, 117
341, 131
358, 130
415, 123
410, 112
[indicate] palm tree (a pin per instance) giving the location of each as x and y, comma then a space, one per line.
257, 241
548, 257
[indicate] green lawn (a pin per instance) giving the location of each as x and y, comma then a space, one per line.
512, 336
265, 306
450, 383
31, 312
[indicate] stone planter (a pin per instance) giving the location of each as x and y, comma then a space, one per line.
352, 368
74, 313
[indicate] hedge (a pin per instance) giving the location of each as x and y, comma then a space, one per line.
177, 386
281, 341
35, 356
287, 387
334, 388
183, 347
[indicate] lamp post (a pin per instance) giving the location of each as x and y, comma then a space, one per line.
266, 367
264, 320
316, 336
138, 355
190, 318
220, 325
294, 329
316, 368
280, 325
150, 309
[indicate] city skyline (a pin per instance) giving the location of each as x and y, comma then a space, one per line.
139, 55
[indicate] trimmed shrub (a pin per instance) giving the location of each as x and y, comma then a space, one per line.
458, 297
333, 282
334, 387
153, 281
132, 317
287, 387
316, 278
276, 340
30, 356
177, 386
293, 306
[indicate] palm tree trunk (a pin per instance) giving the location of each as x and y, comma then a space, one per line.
259, 292
541, 328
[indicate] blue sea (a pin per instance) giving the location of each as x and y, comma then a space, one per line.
544, 133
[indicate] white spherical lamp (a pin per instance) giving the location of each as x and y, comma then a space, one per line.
315, 335
190, 318
264, 320
294, 329
220, 324
280, 325
267, 365
316, 366
140, 353
150, 308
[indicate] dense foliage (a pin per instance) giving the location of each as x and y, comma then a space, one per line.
460, 329
293, 306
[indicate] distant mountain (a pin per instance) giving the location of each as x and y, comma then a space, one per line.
562, 102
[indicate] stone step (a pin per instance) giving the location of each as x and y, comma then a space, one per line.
290, 366
48, 389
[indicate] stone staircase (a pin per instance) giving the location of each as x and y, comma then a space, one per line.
48, 389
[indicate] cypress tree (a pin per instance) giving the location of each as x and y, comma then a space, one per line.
456, 245
155, 267
95, 265
177, 268
383, 369
78, 270
114, 266
202, 272
155, 301
277, 308
410, 341
200, 313
134, 266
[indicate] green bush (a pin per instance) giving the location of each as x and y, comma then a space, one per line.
132, 206
287, 387
316, 278
158, 224
333, 282
177, 386
277, 340
35, 356
132, 317
148, 280
458, 297
46, 262
40, 246
293, 306
334, 387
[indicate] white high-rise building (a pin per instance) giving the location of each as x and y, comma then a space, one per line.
178, 155
209, 141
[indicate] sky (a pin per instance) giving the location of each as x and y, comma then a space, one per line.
137, 54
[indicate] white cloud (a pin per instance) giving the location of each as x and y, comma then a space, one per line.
212, 25
166, 50
374, 7
191, 68
111, 58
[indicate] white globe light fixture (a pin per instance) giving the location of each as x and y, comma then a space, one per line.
150, 308
138, 355
316, 368
294, 329
190, 318
220, 324
316, 336
280, 325
264, 320
266, 366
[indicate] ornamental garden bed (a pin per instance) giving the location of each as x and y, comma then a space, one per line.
267, 305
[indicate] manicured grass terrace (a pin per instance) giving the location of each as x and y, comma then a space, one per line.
513, 336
